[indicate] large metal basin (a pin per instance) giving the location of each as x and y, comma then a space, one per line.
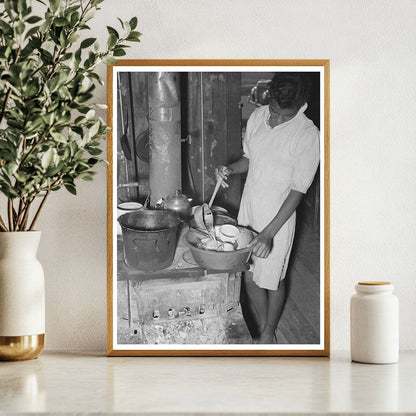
217, 260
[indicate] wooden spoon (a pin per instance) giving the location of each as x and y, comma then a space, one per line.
214, 194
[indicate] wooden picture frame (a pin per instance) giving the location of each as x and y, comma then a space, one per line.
132, 297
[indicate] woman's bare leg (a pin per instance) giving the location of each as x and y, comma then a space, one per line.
257, 299
275, 303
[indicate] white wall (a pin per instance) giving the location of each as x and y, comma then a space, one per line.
371, 45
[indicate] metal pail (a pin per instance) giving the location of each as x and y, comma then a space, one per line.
150, 238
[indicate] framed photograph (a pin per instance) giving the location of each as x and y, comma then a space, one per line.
218, 208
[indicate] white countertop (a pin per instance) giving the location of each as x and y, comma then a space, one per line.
83, 383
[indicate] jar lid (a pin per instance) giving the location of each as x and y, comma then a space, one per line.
373, 287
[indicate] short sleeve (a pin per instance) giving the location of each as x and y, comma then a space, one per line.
306, 160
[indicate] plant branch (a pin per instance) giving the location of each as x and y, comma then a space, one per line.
57, 56
34, 90
10, 213
17, 215
21, 212
32, 149
26, 215
2, 225
39, 210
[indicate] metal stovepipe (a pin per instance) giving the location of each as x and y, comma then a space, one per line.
164, 135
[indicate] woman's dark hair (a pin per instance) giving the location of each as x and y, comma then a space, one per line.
290, 89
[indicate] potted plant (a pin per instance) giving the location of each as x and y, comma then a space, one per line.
50, 136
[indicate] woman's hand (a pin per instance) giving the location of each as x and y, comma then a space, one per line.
223, 172
262, 244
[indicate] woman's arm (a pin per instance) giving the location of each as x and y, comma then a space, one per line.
262, 244
239, 166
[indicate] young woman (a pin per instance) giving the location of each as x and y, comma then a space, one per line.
281, 155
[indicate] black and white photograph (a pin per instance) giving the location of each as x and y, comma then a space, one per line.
218, 208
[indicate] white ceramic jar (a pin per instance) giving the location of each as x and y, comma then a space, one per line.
374, 323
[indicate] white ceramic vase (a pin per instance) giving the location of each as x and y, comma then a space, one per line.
22, 296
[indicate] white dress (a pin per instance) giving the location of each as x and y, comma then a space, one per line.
281, 158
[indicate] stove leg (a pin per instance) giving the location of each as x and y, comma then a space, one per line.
128, 302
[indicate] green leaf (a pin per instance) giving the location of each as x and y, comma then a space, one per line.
67, 56
8, 191
88, 16
53, 83
110, 60
63, 41
87, 42
61, 21
7, 29
10, 7
134, 37
27, 11
74, 18
112, 41
20, 28
67, 153
21, 177
46, 56
123, 24
83, 165
16, 124
48, 118
70, 188
54, 4
73, 38
11, 168
90, 115
86, 176
31, 90
82, 98
34, 125
92, 161
112, 31
4, 145
78, 154
52, 171
94, 151
32, 31
21, 6
60, 138
119, 52
133, 23
94, 129
33, 19
47, 158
